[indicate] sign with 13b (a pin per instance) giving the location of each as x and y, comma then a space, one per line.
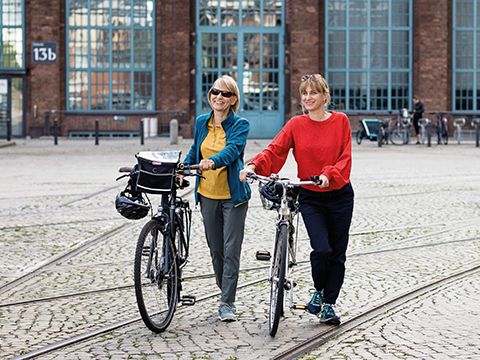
44, 52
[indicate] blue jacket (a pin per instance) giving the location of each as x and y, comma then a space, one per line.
236, 131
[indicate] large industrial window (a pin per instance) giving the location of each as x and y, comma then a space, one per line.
466, 55
368, 58
110, 49
12, 35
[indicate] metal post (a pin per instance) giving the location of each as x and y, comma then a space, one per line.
429, 135
477, 128
46, 130
9, 129
55, 132
173, 132
96, 132
142, 137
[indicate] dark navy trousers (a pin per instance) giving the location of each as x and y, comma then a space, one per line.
327, 217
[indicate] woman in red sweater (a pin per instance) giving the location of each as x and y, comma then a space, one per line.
322, 145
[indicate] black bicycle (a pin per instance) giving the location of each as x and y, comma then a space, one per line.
163, 244
281, 194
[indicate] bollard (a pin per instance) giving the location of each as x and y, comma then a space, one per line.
477, 128
173, 132
46, 129
429, 135
142, 138
96, 132
55, 132
9, 129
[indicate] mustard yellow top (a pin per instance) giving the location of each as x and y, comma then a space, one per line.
215, 184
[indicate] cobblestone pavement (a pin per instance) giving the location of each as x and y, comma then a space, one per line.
416, 220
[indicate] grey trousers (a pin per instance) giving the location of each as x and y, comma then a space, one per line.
224, 229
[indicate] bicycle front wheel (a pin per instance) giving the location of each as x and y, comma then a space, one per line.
156, 277
277, 279
397, 137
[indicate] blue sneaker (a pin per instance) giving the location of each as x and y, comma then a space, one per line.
328, 315
226, 312
315, 304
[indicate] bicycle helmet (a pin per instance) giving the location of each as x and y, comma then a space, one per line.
272, 191
131, 205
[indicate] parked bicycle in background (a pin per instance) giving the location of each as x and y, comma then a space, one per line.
425, 130
441, 124
458, 123
400, 134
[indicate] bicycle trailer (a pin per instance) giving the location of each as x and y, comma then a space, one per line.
368, 129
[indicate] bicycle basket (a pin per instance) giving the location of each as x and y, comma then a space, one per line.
157, 171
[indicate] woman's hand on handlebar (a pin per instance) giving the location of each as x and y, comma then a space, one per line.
249, 169
323, 181
206, 164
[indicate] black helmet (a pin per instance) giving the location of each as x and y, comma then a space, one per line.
272, 191
131, 205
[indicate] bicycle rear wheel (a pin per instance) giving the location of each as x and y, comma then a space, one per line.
277, 279
397, 137
155, 277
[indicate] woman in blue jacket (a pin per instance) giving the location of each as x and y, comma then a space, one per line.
218, 146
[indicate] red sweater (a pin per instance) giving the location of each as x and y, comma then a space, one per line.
319, 147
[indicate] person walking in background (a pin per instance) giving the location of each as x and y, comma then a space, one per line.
218, 147
418, 110
322, 145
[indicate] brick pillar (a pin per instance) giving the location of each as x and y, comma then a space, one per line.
305, 48
431, 53
45, 82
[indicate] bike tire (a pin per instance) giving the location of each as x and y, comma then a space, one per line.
156, 291
277, 279
396, 137
380, 136
359, 136
445, 139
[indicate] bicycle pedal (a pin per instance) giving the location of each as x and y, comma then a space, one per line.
299, 307
188, 300
263, 255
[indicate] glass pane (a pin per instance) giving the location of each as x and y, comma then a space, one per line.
229, 50
464, 13
121, 90
337, 13
100, 49
251, 13
270, 91
143, 13
12, 14
208, 78
272, 13
400, 13
400, 51
78, 13
142, 91
336, 49
379, 91
229, 12
78, 49
12, 48
99, 13
208, 12
209, 50
358, 91
358, 13
142, 52
99, 82
17, 106
464, 49
251, 51
400, 94
121, 12
121, 56
78, 90
251, 90
336, 81
379, 12
270, 51
379, 49
358, 49
464, 91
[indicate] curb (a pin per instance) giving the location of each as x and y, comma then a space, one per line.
7, 144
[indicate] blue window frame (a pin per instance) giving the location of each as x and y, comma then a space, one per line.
110, 55
12, 35
368, 57
244, 39
466, 56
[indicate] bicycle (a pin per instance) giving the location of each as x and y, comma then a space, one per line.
163, 244
281, 194
441, 125
458, 123
425, 133
384, 132
401, 133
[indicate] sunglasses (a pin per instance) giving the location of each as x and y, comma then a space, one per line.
308, 77
225, 94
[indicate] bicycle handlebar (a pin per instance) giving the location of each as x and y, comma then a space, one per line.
285, 181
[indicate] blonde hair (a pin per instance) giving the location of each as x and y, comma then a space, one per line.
231, 85
316, 82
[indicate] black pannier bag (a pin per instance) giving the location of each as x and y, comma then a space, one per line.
156, 171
